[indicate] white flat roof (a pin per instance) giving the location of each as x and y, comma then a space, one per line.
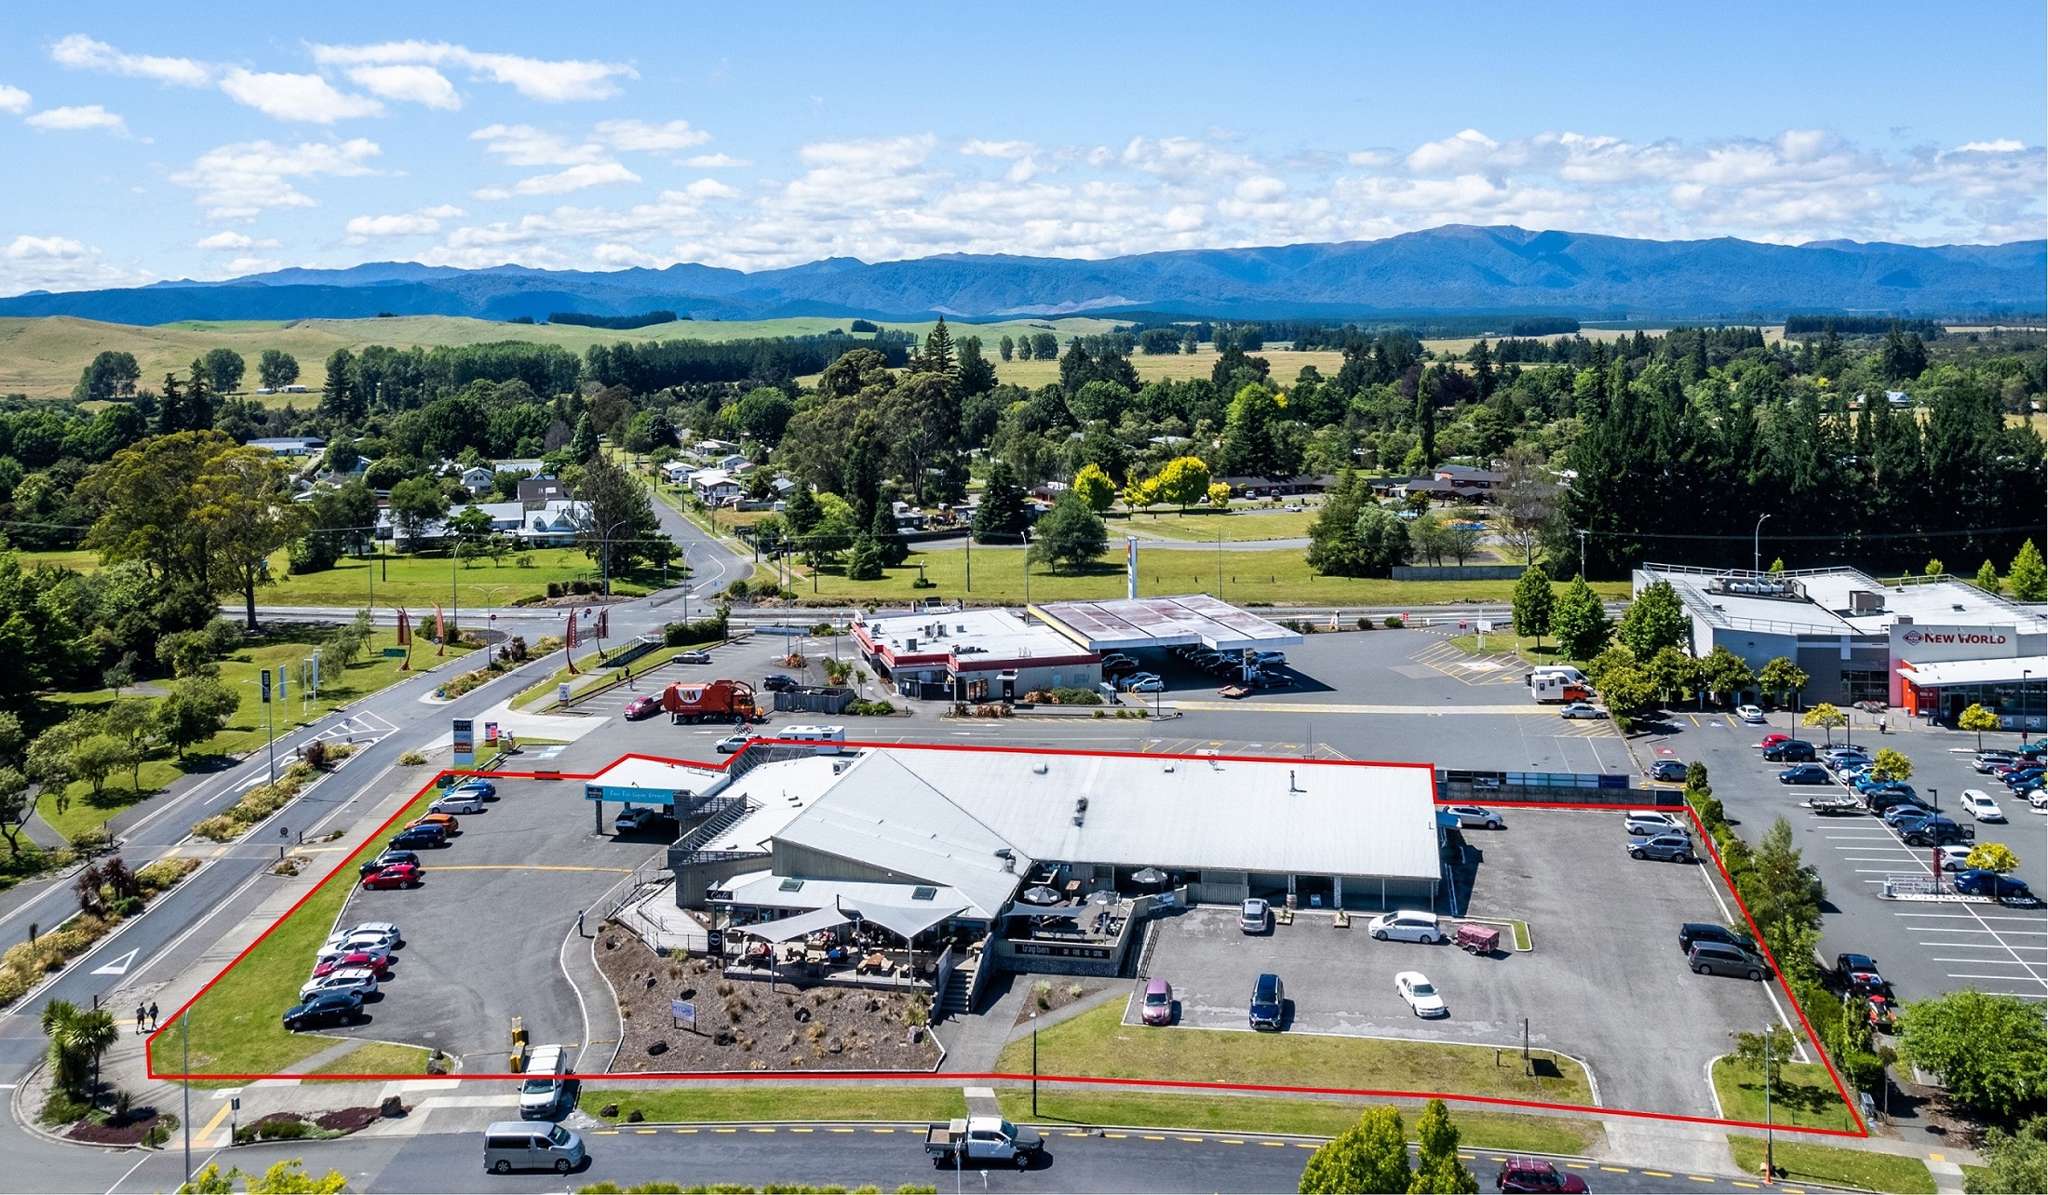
1977, 672
969, 635
658, 776
1300, 817
1164, 622
778, 791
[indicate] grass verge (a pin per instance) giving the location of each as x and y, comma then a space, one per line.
1231, 526
245, 731
1255, 577
1812, 1101
377, 1058
1524, 646
234, 1025
1312, 1118
1804, 1162
753, 1101
1099, 1043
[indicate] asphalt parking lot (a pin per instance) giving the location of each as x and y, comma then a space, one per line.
1924, 949
1613, 991
484, 932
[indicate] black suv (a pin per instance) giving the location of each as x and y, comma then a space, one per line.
776, 682
373, 866
1936, 831
324, 1008
1269, 1002
1705, 931
1790, 751
414, 837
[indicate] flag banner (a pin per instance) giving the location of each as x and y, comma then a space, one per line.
404, 629
266, 686
569, 644
440, 631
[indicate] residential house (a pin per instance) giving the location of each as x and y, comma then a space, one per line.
290, 445
535, 490
715, 487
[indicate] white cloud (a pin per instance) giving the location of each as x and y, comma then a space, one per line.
13, 99
613, 253
575, 178
710, 188
2004, 145
524, 145
1370, 157
548, 80
1184, 158
643, 136
412, 84
233, 242
715, 162
424, 222
978, 148
80, 52
1460, 151
1260, 189
88, 116
240, 180
240, 266
308, 98
34, 248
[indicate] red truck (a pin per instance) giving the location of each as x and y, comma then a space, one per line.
711, 701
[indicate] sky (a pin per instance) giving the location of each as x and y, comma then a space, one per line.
142, 143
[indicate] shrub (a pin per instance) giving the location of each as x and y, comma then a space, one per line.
410, 759
62, 1109
738, 590
315, 753
1393, 622
1076, 697
871, 709
1364, 624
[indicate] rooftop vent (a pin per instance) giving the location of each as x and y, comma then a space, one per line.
1866, 601
1080, 809
790, 885
924, 892
1038, 768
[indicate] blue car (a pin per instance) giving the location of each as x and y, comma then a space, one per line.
482, 788
1977, 882
1806, 773
2023, 779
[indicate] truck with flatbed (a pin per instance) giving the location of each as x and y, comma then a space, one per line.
980, 1140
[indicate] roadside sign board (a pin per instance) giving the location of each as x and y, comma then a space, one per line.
683, 1013
490, 732
465, 742
394, 653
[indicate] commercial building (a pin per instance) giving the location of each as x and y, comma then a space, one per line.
972, 655
1929, 645
1138, 624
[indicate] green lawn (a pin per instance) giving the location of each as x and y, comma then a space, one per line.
1099, 1043
1276, 576
1804, 1162
1813, 1101
1312, 1118
245, 730
1524, 646
377, 1058
1234, 526
415, 581
234, 1026
753, 1101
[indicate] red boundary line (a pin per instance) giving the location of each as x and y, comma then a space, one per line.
1862, 1130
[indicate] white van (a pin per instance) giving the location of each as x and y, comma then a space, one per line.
1551, 687
1564, 670
1407, 925
815, 734
541, 1090
510, 1145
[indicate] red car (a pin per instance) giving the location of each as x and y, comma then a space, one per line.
642, 707
398, 875
379, 963
1772, 739
1535, 1174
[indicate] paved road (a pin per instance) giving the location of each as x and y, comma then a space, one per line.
848, 1156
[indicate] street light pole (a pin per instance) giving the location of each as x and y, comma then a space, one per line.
1770, 1127
1756, 545
1034, 1062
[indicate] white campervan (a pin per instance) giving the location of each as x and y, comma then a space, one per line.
830, 736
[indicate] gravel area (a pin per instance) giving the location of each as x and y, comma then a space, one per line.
742, 1025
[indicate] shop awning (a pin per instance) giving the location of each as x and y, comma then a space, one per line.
908, 923
800, 926
2001, 671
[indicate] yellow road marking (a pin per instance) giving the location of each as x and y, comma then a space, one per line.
1933, 1156
226, 1107
1196, 1140
1746, 1186
604, 1132
760, 1130
725, 1130
839, 1130
1699, 1178
686, 1130
1615, 1169
1274, 1144
1232, 1140
1571, 1165
1154, 1137
645, 1132
803, 1130
1657, 1173
1116, 1136
1304, 1145
881, 1130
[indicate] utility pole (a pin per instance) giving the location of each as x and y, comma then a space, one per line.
1034, 1061
185, 1036
1770, 1127
1756, 545
1582, 552
269, 726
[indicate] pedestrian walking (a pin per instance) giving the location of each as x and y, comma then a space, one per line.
152, 1014
140, 1012
579, 924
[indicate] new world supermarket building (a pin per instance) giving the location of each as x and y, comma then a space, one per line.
1930, 646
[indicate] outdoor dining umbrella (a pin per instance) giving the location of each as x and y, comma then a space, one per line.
1040, 895
1148, 875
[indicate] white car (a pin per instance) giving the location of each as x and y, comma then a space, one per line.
1750, 713
378, 953
360, 980
1420, 994
1144, 684
1981, 806
1649, 823
2038, 799
733, 742
362, 937
1407, 925
1582, 709
1955, 857
469, 801
1476, 816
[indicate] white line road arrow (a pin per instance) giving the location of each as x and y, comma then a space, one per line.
120, 965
